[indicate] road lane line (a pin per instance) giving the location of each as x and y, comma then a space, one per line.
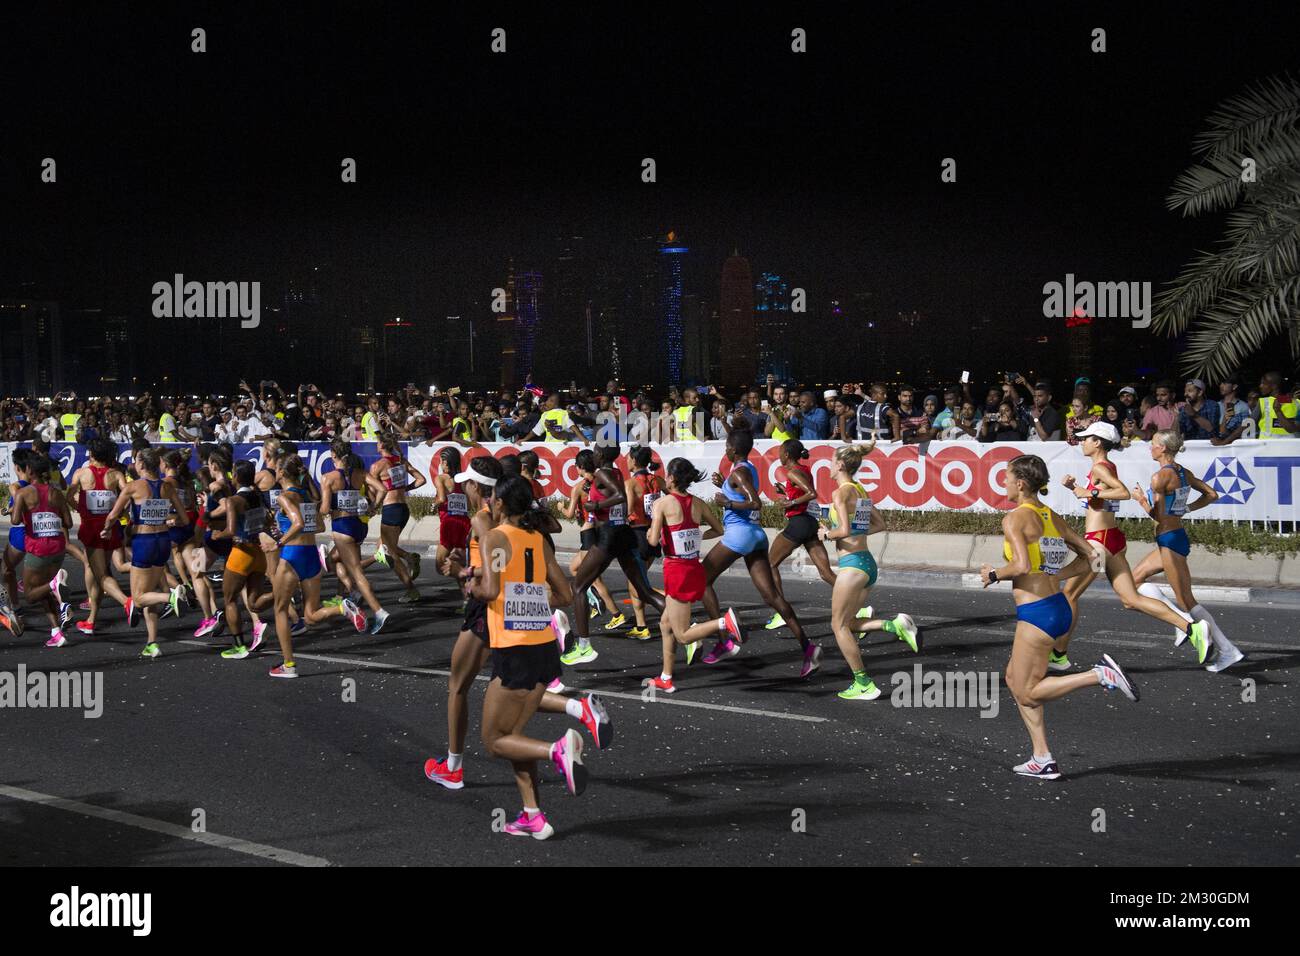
161, 826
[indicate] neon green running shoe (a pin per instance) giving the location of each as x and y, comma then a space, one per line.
381, 555
904, 628
1199, 633
150, 650
174, 601
236, 653
857, 691
1057, 662
692, 650
776, 621
579, 655
335, 601
865, 613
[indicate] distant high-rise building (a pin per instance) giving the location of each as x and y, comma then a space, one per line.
1080, 330
528, 316
739, 352
772, 319
671, 254
31, 349
506, 331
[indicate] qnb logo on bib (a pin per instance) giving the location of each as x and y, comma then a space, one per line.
254, 522
310, 521
861, 516
397, 476
617, 515
457, 505
155, 511
1054, 552
348, 500
526, 607
1229, 477
46, 524
686, 543
100, 502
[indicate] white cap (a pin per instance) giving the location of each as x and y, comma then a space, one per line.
829, 394
1103, 430
469, 475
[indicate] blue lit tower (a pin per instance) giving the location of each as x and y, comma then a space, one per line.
528, 295
772, 312
671, 256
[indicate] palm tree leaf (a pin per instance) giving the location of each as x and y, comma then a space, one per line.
1254, 116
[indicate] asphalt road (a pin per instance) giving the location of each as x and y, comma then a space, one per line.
746, 764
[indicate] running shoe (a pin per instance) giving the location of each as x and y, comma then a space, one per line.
174, 602
298, 627
560, 625
1043, 771
615, 622
436, 770
1224, 661
412, 596
579, 655
236, 653
774, 622
904, 628
596, 719
415, 564
9, 621
132, 613
857, 691
166, 612
732, 624
597, 605
692, 649
85, 627
189, 597
283, 670
324, 552
556, 687
639, 633
381, 618
335, 601
1199, 634
865, 613
150, 650
215, 577
381, 555
535, 826
661, 685
65, 614
1113, 678
56, 638
1057, 662
566, 753
60, 578
259, 629
812, 659
84, 605
206, 627
355, 615
721, 651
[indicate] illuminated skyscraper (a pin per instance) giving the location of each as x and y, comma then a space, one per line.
1079, 331
506, 331
671, 254
528, 311
739, 346
772, 319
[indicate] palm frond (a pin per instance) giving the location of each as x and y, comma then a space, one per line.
1253, 116
1239, 323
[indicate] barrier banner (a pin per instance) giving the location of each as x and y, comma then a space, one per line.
1256, 479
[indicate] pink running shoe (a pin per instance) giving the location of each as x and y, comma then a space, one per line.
206, 627
85, 627
132, 613
556, 687
353, 614
567, 755
436, 770
596, 719
721, 651
57, 582
84, 605
259, 628
56, 638
537, 827
733, 626
280, 670
812, 659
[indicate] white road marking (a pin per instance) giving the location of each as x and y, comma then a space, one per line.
658, 699
161, 826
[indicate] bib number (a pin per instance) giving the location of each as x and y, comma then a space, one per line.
1181, 495
1054, 552
861, 522
397, 476
648, 502
526, 607
686, 543
617, 515
310, 519
457, 505
347, 500
155, 511
46, 524
100, 502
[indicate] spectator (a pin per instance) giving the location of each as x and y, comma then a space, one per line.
753, 412
1083, 392
1198, 416
1079, 418
1003, 426
911, 425
963, 426
1234, 413
813, 421
1129, 408
1162, 414
875, 419
1044, 419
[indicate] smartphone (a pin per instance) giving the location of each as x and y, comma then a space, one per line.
766, 404
965, 378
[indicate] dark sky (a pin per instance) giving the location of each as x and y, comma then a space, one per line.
824, 166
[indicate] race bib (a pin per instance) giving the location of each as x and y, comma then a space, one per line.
397, 476
310, 520
100, 502
457, 505
1054, 552
185, 496
648, 502
46, 524
861, 522
347, 500
254, 522
617, 515
526, 607
155, 511
273, 496
1180, 500
686, 543
815, 510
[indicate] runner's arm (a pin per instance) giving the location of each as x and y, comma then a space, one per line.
492, 546
655, 534
1207, 496
703, 514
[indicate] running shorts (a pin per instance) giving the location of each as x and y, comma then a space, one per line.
1112, 539
801, 529
17, 534
1051, 615
246, 560
684, 579
88, 535
151, 550
476, 619
586, 538
397, 514
649, 553
183, 534
859, 561
616, 540
351, 526
744, 538
526, 666
1176, 541
43, 562
303, 558
218, 546
453, 532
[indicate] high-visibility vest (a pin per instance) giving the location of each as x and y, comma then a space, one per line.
1268, 427
69, 423
369, 426
683, 415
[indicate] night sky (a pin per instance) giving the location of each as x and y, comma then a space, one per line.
824, 166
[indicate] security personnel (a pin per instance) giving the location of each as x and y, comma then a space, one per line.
1277, 418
